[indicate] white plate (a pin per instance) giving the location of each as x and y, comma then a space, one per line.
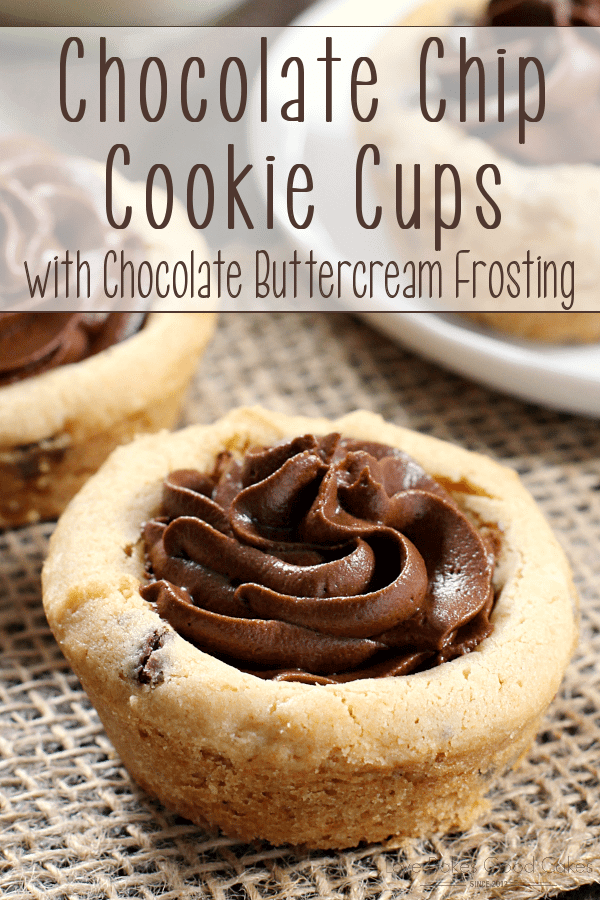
564, 378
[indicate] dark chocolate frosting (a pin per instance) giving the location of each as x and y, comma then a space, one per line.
320, 560
542, 12
50, 203
32, 343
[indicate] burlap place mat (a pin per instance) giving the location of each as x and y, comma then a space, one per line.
74, 826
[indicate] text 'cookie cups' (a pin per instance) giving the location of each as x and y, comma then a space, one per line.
59, 422
307, 764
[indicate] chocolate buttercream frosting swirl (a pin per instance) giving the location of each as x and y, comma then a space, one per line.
50, 203
320, 560
32, 343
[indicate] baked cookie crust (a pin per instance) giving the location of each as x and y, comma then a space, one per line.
57, 428
318, 765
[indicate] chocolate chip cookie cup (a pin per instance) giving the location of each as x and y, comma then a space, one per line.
249, 744
532, 269
74, 385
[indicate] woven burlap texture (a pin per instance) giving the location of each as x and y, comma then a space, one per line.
72, 825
